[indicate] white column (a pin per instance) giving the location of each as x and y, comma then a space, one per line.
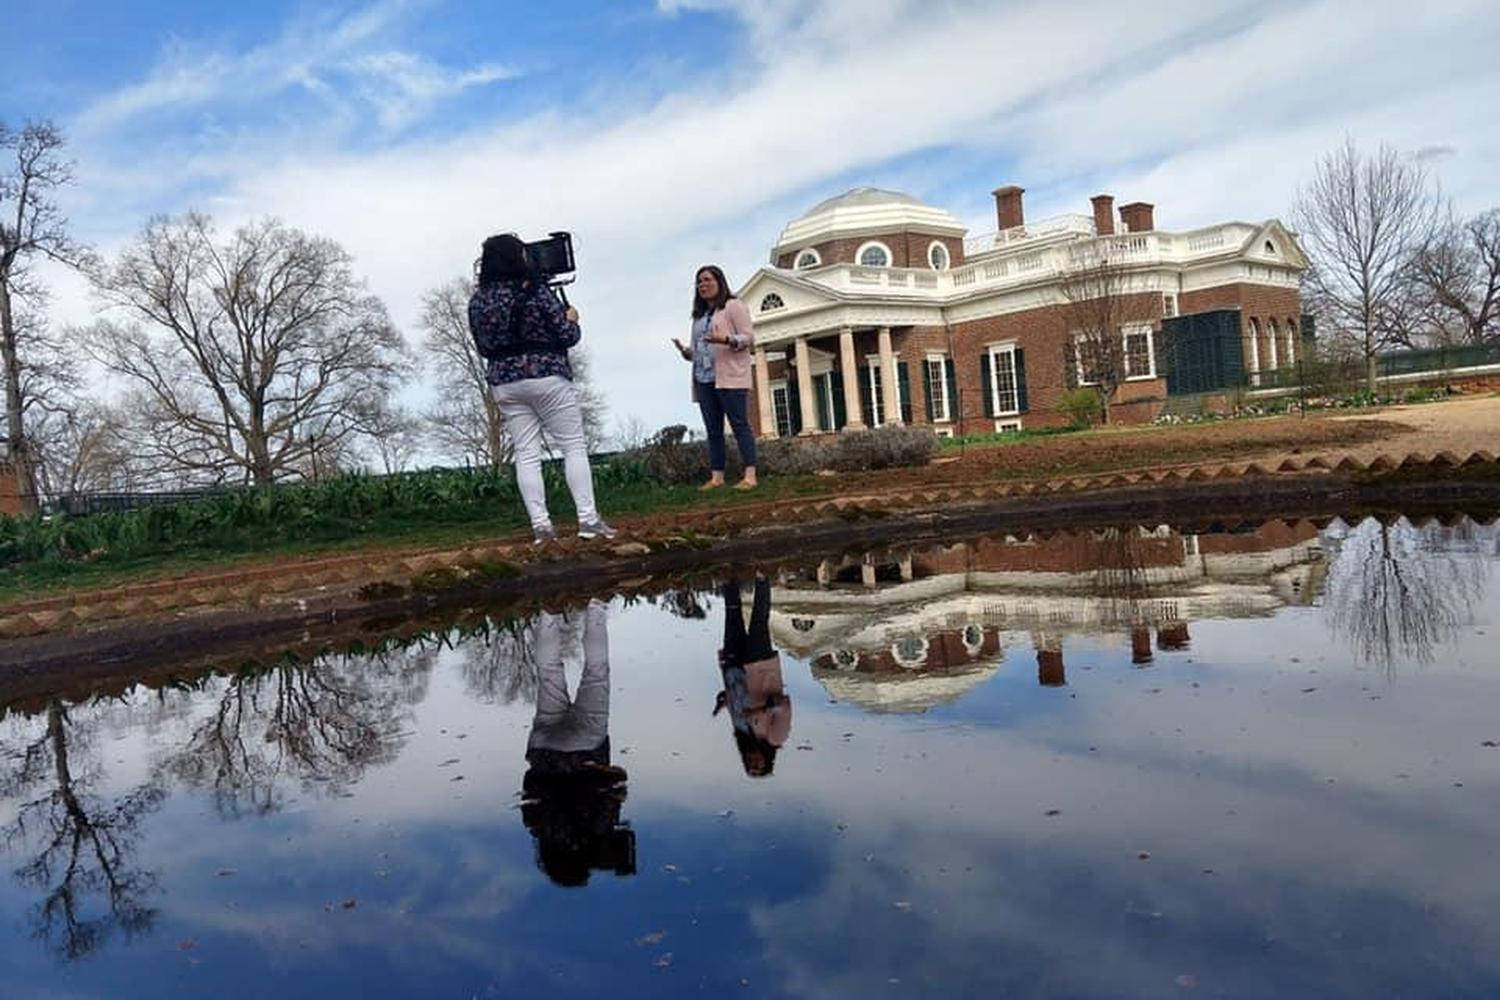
763, 395
892, 386
805, 388
1254, 336
854, 419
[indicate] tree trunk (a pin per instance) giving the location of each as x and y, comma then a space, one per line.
15, 431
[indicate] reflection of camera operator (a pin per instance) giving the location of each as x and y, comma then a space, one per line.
523, 330
572, 793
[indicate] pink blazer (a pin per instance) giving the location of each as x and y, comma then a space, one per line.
731, 363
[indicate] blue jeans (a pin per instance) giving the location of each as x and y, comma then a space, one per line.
717, 404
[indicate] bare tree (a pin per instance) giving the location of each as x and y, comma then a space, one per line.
464, 422
260, 358
1364, 219
31, 226
1458, 278
1109, 323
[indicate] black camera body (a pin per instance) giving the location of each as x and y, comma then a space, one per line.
552, 258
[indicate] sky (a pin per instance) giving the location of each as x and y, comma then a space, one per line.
673, 133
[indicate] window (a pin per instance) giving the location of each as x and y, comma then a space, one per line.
874, 254
1140, 359
806, 259
935, 379
771, 301
937, 255
1004, 387
781, 403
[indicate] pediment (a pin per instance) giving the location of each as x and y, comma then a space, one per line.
795, 294
1272, 242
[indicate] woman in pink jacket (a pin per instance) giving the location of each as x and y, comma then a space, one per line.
722, 337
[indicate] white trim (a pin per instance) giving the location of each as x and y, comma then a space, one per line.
890, 258
994, 351
797, 265
942, 363
947, 255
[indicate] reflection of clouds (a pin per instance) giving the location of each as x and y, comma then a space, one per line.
1396, 590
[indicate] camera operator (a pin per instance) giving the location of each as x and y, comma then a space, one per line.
524, 332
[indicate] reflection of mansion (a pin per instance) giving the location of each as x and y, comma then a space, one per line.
911, 631
873, 289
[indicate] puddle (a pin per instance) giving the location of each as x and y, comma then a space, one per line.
1254, 761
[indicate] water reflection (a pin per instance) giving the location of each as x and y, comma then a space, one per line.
760, 711
80, 843
573, 793
1397, 590
321, 725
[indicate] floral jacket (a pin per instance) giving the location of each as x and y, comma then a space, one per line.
522, 331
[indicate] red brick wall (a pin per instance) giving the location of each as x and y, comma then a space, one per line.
10, 489
908, 249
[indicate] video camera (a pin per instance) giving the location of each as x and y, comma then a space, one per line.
552, 258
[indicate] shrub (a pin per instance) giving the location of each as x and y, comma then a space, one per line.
1081, 406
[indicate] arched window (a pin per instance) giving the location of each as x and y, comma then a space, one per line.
806, 259
937, 255
873, 254
771, 301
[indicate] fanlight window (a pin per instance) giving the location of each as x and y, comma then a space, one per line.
771, 301
874, 255
807, 259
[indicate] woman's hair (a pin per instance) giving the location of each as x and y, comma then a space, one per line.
700, 307
503, 258
756, 755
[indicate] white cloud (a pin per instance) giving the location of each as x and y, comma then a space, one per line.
1211, 110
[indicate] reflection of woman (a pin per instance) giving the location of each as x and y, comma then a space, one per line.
523, 332
759, 709
722, 337
572, 793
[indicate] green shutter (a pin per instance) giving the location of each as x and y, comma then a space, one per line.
955, 412
984, 384
903, 380
1021, 402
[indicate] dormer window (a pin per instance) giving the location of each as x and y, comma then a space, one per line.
874, 254
807, 259
937, 255
771, 301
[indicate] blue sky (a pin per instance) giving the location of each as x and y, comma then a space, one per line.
670, 133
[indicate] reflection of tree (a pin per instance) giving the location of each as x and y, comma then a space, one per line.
1396, 590
322, 724
85, 842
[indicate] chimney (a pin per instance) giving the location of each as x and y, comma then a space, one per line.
1138, 217
1104, 214
1140, 646
1008, 206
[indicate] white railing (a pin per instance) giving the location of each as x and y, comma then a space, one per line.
1015, 268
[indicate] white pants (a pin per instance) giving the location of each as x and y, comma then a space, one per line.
550, 404
580, 722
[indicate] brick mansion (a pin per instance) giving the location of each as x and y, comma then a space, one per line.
873, 290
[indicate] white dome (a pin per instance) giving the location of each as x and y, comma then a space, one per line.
866, 210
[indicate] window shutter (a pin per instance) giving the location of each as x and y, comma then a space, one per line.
984, 384
840, 412
1021, 403
955, 412
793, 403
903, 381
